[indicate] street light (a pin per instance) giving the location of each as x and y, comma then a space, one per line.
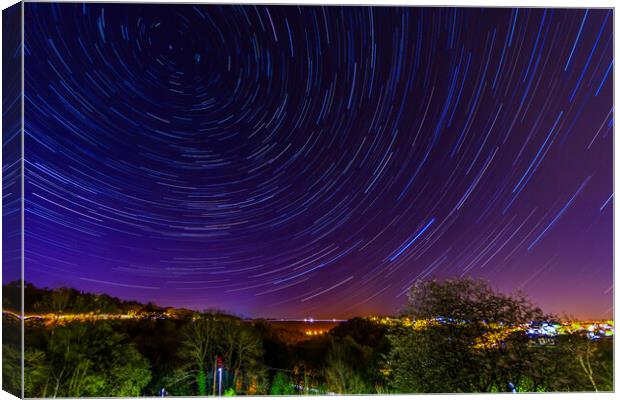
219, 383
219, 370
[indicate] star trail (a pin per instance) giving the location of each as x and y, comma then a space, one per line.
297, 161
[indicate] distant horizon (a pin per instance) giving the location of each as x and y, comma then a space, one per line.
323, 318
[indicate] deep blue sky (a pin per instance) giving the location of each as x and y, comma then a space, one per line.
315, 161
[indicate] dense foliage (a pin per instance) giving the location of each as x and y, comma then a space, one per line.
469, 344
453, 336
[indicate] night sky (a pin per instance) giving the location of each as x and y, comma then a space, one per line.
292, 161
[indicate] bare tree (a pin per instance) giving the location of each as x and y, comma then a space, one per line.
240, 347
198, 346
339, 375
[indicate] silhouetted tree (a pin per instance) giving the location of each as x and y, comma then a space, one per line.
461, 345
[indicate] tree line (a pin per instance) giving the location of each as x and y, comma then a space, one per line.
455, 336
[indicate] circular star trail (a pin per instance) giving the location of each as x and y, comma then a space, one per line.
315, 161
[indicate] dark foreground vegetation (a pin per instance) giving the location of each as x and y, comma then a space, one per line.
453, 336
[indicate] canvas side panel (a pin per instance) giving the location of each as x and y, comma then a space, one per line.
12, 200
